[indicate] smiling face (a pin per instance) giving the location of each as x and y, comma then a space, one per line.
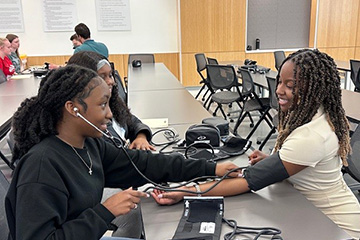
105, 72
286, 86
97, 109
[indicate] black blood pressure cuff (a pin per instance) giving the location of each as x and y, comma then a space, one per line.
266, 172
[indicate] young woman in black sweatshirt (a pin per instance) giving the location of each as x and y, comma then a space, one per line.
64, 163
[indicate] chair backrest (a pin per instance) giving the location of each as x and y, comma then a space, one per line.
279, 58
121, 89
272, 92
143, 57
2, 77
200, 62
357, 83
354, 67
221, 77
354, 158
354, 75
212, 61
4, 186
248, 86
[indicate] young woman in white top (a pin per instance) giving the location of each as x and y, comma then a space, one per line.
312, 145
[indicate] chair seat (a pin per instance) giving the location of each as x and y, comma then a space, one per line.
225, 97
253, 104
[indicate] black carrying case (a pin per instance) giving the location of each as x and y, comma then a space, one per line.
203, 133
218, 122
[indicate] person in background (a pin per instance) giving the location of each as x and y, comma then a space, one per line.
123, 124
6, 66
14, 55
312, 145
65, 164
88, 44
75, 41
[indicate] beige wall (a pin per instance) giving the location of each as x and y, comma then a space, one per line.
339, 28
216, 28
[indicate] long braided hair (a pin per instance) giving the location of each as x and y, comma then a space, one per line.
121, 113
37, 117
318, 84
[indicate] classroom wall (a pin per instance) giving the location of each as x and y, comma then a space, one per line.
338, 32
214, 27
154, 29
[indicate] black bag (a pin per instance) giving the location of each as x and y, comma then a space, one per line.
203, 133
218, 122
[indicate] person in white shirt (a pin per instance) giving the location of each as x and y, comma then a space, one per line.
312, 145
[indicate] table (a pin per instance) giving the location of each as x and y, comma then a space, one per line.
178, 105
151, 76
12, 93
279, 205
349, 102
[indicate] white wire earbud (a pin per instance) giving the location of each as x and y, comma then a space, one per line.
76, 110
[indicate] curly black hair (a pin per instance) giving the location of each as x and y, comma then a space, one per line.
318, 85
37, 117
121, 113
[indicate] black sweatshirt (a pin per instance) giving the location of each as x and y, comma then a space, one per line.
53, 196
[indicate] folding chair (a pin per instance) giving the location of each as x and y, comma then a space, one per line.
274, 105
223, 78
200, 67
252, 103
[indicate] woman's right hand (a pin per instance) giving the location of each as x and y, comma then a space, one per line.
256, 156
122, 202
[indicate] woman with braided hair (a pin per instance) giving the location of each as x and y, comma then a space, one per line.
64, 164
312, 144
123, 124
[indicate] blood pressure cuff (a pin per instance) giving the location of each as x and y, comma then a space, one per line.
265, 172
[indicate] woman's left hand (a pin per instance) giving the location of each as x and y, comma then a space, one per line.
223, 168
141, 143
167, 198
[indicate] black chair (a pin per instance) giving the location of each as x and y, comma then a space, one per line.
252, 103
352, 171
201, 63
355, 76
143, 57
274, 105
279, 58
4, 186
122, 90
212, 61
224, 79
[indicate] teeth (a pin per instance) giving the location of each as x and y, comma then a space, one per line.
282, 101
